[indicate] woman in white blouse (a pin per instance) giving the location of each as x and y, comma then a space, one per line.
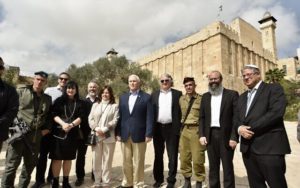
103, 119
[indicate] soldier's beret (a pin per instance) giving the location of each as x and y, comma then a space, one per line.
42, 74
188, 79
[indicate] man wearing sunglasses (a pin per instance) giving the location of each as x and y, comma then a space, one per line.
192, 156
9, 104
54, 92
166, 130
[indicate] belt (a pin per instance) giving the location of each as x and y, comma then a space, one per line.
190, 125
164, 124
215, 128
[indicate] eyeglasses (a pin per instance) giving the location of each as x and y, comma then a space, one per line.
162, 81
248, 75
66, 79
187, 85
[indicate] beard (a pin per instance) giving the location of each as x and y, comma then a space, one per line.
92, 94
215, 89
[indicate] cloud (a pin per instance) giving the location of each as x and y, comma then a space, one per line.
51, 35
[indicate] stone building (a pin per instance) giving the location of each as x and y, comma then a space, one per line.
218, 46
291, 66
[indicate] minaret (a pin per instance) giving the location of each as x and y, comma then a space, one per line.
111, 54
267, 27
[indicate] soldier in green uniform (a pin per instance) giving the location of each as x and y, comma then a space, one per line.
192, 156
33, 110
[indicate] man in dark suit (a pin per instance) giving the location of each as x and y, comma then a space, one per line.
134, 130
85, 129
264, 141
217, 129
166, 129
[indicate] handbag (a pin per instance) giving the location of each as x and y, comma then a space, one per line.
91, 139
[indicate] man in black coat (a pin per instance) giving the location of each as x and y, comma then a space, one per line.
166, 129
264, 141
217, 131
9, 104
92, 97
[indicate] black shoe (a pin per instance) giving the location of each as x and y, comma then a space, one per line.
199, 184
93, 177
124, 187
187, 183
49, 180
170, 185
157, 184
38, 184
78, 182
55, 183
66, 183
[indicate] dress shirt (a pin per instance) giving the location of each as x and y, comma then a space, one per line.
132, 98
215, 105
165, 107
91, 98
251, 95
54, 92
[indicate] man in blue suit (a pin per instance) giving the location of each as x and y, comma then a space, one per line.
134, 130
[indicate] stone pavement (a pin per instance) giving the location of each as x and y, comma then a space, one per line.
292, 162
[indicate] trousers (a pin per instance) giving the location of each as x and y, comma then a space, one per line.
192, 154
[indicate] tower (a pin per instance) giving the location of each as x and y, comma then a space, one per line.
267, 27
111, 54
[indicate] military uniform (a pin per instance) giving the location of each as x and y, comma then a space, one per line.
191, 151
33, 109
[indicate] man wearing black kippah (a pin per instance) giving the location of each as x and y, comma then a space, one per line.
33, 113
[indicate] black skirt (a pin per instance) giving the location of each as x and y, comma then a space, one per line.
64, 148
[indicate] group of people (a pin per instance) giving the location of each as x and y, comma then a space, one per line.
185, 124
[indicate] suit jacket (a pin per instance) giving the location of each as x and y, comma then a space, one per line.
265, 117
176, 111
137, 124
227, 116
84, 125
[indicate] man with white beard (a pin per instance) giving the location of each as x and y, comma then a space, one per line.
217, 114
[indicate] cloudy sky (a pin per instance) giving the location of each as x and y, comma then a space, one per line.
52, 34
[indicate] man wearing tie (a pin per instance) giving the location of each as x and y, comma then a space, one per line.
217, 131
134, 130
264, 141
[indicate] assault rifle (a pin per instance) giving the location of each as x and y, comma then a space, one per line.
18, 132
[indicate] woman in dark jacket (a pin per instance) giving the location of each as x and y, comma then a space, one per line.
67, 112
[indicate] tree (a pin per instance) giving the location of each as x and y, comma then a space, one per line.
114, 73
275, 75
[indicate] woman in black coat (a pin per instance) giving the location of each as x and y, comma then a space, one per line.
68, 112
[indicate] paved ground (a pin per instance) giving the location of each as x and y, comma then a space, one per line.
292, 160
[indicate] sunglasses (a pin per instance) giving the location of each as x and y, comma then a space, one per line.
66, 79
162, 81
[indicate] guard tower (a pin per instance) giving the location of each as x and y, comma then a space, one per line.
267, 27
111, 54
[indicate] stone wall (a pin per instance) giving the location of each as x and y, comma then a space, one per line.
216, 47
